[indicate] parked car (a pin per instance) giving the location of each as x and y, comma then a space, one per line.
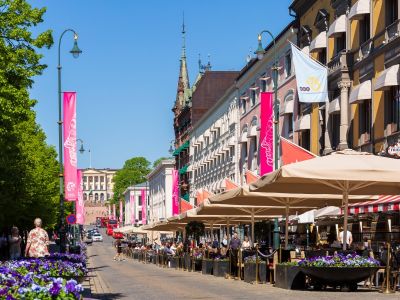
118, 235
97, 237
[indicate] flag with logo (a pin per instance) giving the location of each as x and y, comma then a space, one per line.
311, 77
70, 156
144, 206
80, 206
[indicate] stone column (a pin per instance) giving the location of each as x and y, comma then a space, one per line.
344, 113
328, 146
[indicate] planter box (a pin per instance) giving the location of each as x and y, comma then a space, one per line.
174, 262
221, 268
289, 277
187, 262
207, 266
250, 272
198, 265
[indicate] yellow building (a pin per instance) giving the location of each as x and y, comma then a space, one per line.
359, 42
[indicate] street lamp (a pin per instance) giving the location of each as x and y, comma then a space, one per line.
75, 53
260, 55
81, 149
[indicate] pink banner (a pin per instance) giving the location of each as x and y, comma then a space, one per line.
121, 210
144, 207
80, 205
266, 133
109, 211
132, 205
175, 192
70, 158
114, 212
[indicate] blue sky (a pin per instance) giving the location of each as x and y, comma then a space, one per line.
126, 77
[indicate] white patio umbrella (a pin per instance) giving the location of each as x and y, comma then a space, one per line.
343, 173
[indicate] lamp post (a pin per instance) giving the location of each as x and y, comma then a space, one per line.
260, 55
75, 51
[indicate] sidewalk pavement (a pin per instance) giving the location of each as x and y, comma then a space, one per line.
95, 287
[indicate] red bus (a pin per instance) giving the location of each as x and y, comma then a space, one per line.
110, 226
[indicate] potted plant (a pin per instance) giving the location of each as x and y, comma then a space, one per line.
250, 270
221, 267
197, 261
338, 270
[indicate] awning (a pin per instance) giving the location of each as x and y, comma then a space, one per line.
184, 146
303, 123
389, 77
360, 8
361, 92
287, 107
183, 170
319, 42
253, 131
338, 26
334, 106
383, 203
243, 138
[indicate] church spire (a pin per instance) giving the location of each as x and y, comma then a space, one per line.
183, 92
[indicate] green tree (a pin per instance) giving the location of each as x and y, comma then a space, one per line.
157, 161
28, 176
134, 171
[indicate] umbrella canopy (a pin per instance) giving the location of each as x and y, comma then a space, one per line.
310, 216
359, 173
243, 196
264, 212
346, 172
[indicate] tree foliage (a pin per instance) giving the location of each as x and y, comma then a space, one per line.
28, 166
133, 172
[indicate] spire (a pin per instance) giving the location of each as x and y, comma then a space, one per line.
183, 93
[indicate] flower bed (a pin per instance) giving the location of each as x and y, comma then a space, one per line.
53, 277
339, 260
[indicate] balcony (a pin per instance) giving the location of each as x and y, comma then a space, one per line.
339, 63
392, 31
365, 49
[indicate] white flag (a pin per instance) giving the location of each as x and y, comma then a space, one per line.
311, 77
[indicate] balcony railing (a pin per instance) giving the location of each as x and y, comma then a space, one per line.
339, 62
392, 31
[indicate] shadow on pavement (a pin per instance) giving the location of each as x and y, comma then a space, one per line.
105, 296
98, 268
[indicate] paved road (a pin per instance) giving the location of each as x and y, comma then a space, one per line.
133, 280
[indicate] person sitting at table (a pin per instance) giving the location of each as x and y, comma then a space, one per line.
349, 238
246, 243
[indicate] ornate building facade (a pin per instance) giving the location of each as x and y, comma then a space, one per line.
98, 185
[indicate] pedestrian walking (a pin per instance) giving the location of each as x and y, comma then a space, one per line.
14, 241
38, 241
3, 245
118, 246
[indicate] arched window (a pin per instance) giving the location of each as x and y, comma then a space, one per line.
102, 197
96, 197
84, 197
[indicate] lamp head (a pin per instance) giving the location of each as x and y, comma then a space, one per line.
75, 49
81, 149
260, 50
171, 149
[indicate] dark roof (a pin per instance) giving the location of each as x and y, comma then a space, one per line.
210, 88
253, 61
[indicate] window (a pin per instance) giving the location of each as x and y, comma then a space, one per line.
140, 215
340, 43
365, 118
263, 84
102, 197
290, 123
243, 106
232, 151
253, 97
364, 29
84, 178
392, 109
305, 139
84, 197
391, 11
140, 200
244, 151
322, 56
335, 130
96, 197
288, 65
